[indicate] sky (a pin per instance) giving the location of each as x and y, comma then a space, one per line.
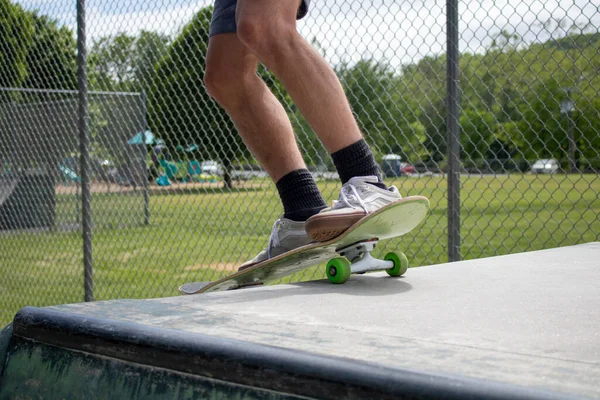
397, 32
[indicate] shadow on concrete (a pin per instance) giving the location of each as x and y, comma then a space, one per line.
376, 285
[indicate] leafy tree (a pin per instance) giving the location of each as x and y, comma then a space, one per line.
16, 33
110, 63
51, 58
373, 94
424, 88
150, 47
511, 98
477, 133
367, 86
126, 63
587, 135
181, 111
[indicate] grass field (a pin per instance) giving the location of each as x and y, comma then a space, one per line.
203, 235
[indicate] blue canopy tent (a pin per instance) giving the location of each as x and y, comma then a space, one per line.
146, 137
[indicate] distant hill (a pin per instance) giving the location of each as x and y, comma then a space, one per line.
574, 41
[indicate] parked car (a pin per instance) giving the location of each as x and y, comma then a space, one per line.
248, 171
407, 168
211, 167
545, 166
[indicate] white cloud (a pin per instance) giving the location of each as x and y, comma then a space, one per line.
406, 31
396, 31
165, 20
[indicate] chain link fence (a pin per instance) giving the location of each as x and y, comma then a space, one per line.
492, 112
40, 139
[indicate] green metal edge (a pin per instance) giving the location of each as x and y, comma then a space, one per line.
5, 336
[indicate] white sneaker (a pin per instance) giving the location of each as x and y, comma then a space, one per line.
357, 198
286, 235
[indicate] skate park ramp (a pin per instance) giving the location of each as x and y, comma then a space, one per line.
517, 326
27, 200
7, 186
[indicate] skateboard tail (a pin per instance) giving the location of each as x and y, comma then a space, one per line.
194, 287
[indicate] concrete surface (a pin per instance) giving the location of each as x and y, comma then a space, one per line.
530, 319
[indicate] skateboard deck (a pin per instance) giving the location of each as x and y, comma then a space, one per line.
354, 245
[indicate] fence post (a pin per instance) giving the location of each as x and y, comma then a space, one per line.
83, 127
146, 185
453, 133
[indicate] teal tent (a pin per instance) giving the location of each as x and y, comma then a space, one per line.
146, 137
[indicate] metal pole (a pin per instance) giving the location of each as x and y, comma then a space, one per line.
453, 135
566, 107
145, 164
83, 117
572, 163
60, 91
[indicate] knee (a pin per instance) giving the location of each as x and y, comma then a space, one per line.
220, 82
268, 39
250, 31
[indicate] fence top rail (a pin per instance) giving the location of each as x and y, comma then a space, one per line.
62, 91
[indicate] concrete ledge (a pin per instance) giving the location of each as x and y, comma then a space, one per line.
265, 367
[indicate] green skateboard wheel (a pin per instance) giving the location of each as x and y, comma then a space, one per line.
400, 263
338, 270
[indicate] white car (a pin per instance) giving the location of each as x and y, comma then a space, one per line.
545, 166
211, 167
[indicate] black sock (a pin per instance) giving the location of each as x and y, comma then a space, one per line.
300, 195
356, 160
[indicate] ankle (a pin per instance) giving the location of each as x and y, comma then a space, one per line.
304, 214
300, 195
357, 160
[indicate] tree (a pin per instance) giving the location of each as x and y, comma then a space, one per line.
126, 63
181, 111
423, 88
150, 47
517, 90
51, 58
477, 133
110, 63
16, 33
587, 135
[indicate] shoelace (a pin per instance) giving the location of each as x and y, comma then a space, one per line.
345, 198
274, 239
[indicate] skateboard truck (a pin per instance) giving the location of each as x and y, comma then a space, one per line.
357, 259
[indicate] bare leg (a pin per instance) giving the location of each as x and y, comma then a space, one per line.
259, 117
268, 29
265, 127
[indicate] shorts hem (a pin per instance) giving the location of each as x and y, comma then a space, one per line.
222, 26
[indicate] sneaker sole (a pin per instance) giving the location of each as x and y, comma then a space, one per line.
323, 227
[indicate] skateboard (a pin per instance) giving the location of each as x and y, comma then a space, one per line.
346, 254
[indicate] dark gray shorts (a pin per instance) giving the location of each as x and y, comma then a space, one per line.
223, 19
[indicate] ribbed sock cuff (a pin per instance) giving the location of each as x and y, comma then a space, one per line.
300, 195
355, 160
